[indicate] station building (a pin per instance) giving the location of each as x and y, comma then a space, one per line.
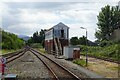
56, 38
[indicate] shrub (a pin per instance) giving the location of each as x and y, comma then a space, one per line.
36, 45
11, 41
111, 51
106, 43
80, 62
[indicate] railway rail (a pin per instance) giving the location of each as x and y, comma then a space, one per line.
14, 56
59, 72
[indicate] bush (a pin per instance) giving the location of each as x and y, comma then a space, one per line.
80, 62
112, 51
36, 45
106, 43
11, 41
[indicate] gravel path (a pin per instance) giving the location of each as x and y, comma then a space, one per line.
28, 67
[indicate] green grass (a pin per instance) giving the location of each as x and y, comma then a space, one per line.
36, 45
111, 51
5, 51
114, 68
42, 50
80, 62
39, 47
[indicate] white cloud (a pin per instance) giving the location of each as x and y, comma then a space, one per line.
26, 19
75, 30
3, 10
26, 29
59, 1
38, 16
82, 16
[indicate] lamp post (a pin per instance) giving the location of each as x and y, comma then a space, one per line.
86, 46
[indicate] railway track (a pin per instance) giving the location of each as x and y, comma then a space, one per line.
59, 72
14, 56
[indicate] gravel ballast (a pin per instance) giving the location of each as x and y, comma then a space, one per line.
76, 69
28, 67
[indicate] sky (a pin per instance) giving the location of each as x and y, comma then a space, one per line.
24, 17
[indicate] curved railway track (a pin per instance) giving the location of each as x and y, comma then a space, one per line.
14, 56
59, 72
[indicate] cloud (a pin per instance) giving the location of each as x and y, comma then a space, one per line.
25, 17
38, 16
86, 1
26, 29
75, 30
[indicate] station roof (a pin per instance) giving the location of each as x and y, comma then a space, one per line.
58, 25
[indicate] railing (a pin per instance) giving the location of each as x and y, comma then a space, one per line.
58, 46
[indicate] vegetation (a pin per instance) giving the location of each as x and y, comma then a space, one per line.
74, 41
42, 50
10, 41
38, 37
36, 45
111, 51
108, 21
80, 62
6, 51
80, 41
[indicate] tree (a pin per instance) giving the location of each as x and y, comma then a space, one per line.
11, 41
82, 40
38, 37
35, 37
108, 21
74, 41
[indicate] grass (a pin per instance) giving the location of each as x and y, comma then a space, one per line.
80, 62
36, 45
107, 69
42, 50
113, 68
5, 51
111, 51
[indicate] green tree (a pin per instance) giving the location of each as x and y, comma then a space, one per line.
11, 41
38, 37
108, 20
35, 37
74, 41
82, 40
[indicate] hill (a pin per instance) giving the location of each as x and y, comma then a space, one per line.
24, 37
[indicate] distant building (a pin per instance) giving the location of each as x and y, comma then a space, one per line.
56, 38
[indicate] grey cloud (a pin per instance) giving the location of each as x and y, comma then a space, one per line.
37, 5
10, 19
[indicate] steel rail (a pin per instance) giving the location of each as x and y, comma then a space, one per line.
17, 56
76, 77
46, 65
14, 54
